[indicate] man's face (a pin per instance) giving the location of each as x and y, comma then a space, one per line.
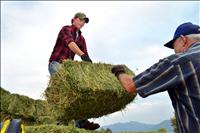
180, 45
78, 23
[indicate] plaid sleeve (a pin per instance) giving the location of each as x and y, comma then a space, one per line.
84, 45
66, 35
160, 77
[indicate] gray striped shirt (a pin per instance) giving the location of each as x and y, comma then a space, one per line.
179, 74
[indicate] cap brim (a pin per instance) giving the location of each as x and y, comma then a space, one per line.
86, 20
170, 44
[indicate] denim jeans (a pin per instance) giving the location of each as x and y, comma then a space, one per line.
53, 68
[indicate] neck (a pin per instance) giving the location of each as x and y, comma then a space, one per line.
192, 43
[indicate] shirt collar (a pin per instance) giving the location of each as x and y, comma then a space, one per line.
195, 44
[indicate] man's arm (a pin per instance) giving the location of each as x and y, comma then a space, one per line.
73, 47
127, 82
66, 35
77, 51
160, 77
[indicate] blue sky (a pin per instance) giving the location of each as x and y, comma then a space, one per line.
131, 33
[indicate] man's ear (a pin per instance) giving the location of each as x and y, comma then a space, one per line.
72, 21
184, 39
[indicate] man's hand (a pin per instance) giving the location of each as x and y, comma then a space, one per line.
85, 57
125, 80
117, 70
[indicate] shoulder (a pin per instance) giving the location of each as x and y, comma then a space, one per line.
66, 27
82, 37
182, 58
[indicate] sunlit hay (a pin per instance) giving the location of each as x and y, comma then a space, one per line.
81, 90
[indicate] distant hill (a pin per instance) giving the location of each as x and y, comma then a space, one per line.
138, 126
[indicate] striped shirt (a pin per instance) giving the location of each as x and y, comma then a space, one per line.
179, 74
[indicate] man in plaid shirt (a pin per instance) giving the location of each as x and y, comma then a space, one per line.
179, 74
70, 42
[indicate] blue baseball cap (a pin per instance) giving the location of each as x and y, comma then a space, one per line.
184, 29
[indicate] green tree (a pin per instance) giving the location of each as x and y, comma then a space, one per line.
174, 124
105, 130
162, 130
108, 130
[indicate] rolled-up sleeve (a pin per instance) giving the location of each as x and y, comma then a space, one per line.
66, 35
159, 77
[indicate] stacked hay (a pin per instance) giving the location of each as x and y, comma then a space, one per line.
29, 110
82, 90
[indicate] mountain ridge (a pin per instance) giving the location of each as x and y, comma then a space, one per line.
139, 126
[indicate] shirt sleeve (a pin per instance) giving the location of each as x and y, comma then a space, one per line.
66, 35
160, 77
84, 46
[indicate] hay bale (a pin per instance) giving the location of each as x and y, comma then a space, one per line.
17, 106
82, 90
42, 113
21, 106
4, 99
29, 110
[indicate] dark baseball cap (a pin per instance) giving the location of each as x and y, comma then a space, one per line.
184, 29
81, 16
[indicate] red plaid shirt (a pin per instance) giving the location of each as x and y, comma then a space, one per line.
61, 49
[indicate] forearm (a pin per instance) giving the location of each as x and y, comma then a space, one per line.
127, 83
75, 48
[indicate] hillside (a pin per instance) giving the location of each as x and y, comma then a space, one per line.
137, 126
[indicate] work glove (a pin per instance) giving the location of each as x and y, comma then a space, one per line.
85, 57
118, 69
